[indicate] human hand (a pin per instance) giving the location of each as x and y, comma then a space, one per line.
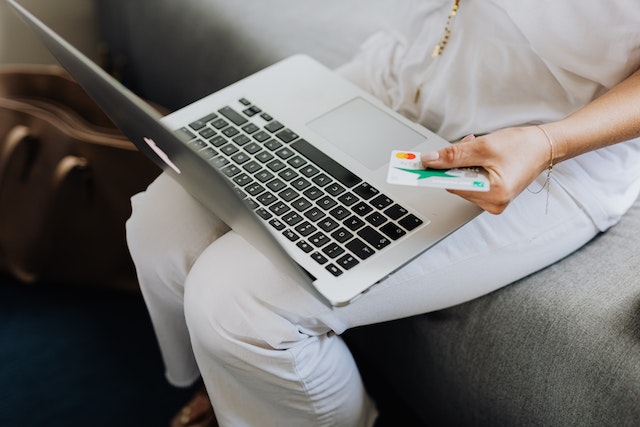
513, 158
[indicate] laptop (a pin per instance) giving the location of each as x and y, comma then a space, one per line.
294, 158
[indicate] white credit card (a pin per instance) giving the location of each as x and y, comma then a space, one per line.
405, 168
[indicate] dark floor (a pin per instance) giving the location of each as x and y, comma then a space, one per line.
79, 357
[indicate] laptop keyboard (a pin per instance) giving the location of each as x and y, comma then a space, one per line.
327, 211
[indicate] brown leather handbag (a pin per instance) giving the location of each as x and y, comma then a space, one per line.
66, 177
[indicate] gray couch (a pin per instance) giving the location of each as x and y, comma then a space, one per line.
558, 348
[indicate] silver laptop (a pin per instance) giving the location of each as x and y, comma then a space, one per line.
294, 158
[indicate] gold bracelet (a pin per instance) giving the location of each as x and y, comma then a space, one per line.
547, 181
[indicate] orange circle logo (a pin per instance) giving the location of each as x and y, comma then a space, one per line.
406, 156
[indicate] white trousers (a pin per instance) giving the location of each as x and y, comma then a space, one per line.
268, 351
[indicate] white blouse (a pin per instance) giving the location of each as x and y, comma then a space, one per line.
509, 63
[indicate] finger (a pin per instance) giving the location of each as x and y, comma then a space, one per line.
483, 200
454, 155
468, 138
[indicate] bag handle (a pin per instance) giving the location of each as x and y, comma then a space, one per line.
16, 139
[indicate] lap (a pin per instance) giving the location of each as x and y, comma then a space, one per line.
484, 255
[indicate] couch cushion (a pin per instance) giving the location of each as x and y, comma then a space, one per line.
174, 54
561, 347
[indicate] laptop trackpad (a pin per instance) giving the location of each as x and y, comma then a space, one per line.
365, 132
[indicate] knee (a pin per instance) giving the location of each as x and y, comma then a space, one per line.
231, 309
144, 228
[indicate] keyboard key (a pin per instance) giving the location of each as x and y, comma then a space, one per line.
230, 131
297, 162
348, 199
250, 128
301, 204
374, 238
340, 212
266, 198
218, 141
219, 123
288, 174
328, 224
300, 184
309, 171
333, 270
313, 193
376, 219
319, 258
342, 235
306, 247
252, 166
276, 185
242, 179
184, 134
276, 165
361, 208
262, 213
229, 149
241, 139
335, 189
319, 239
284, 153
321, 180
332, 250
240, 158
305, 228
252, 111
279, 208
263, 175
366, 191
255, 189
286, 135
272, 144
252, 148
261, 136
396, 212
326, 203
291, 235
277, 224
288, 194
353, 223
207, 132
381, 202
333, 168
314, 214
393, 231
292, 218
274, 126
264, 156
231, 170
410, 222
197, 125
359, 248
347, 262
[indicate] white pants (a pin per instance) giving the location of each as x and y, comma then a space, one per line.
268, 351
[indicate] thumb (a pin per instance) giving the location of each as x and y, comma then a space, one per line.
451, 156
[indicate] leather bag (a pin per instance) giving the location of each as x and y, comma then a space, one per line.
66, 179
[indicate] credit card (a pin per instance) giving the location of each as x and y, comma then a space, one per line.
405, 168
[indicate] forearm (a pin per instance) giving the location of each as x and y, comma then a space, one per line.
614, 117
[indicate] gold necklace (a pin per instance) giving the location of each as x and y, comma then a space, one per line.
437, 50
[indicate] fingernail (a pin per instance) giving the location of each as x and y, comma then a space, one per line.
468, 138
430, 156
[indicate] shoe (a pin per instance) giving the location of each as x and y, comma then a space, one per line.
198, 412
